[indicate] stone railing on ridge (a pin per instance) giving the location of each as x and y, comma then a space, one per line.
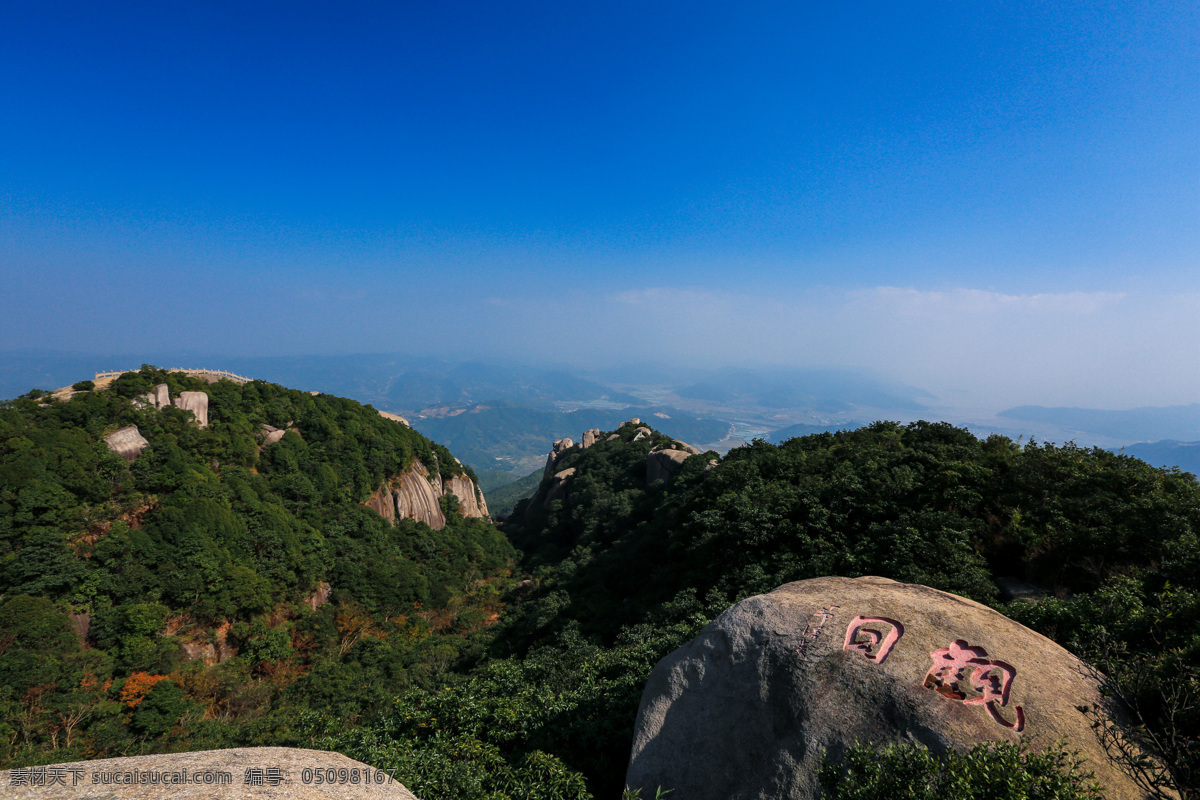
219, 373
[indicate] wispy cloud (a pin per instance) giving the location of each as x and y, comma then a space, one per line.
976, 301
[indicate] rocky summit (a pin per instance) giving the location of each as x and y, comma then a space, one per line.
751, 706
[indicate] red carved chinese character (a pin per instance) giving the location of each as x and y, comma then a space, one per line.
992, 679
873, 644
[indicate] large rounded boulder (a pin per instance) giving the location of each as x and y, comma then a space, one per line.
751, 706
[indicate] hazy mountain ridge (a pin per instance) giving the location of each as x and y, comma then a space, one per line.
1168, 453
824, 390
513, 438
1144, 424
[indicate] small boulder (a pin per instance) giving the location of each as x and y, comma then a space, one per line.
271, 434
778, 682
590, 437
127, 442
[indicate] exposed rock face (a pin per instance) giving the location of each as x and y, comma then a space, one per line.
748, 708
662, 465
225, 650
82, 625
558, 489
159, 398
320, 597
195, 402
382, 503
415, 494
687, 448
612, 436
199, 651
590, 437
394, 418
127, 442
470, 503
245, 773
559, 447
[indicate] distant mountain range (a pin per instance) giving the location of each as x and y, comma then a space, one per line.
513, 439
392, 382
826, 390
1146, 424
804, 429
1185, 455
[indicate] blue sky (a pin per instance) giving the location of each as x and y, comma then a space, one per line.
1001, 196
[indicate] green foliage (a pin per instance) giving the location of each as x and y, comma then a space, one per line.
83, 386
209, 541
207, 545
986, 772
161, 710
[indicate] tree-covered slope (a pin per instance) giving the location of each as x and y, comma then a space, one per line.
623, 572
213, 590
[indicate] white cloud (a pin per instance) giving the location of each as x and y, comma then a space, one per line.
917, 301
976, 347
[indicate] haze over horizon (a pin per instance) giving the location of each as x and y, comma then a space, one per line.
999, 204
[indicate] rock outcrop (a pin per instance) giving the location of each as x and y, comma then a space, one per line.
590, 437
470, 502
661, 465
561, 446
271, 434
320, 596
382, 503
558, 489
199, 651
751, 706
127, 442
416, 494
394, 417
244, 773
195, 402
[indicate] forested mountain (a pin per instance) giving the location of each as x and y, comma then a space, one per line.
177, 602
512, 439
225, 582
624, 571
